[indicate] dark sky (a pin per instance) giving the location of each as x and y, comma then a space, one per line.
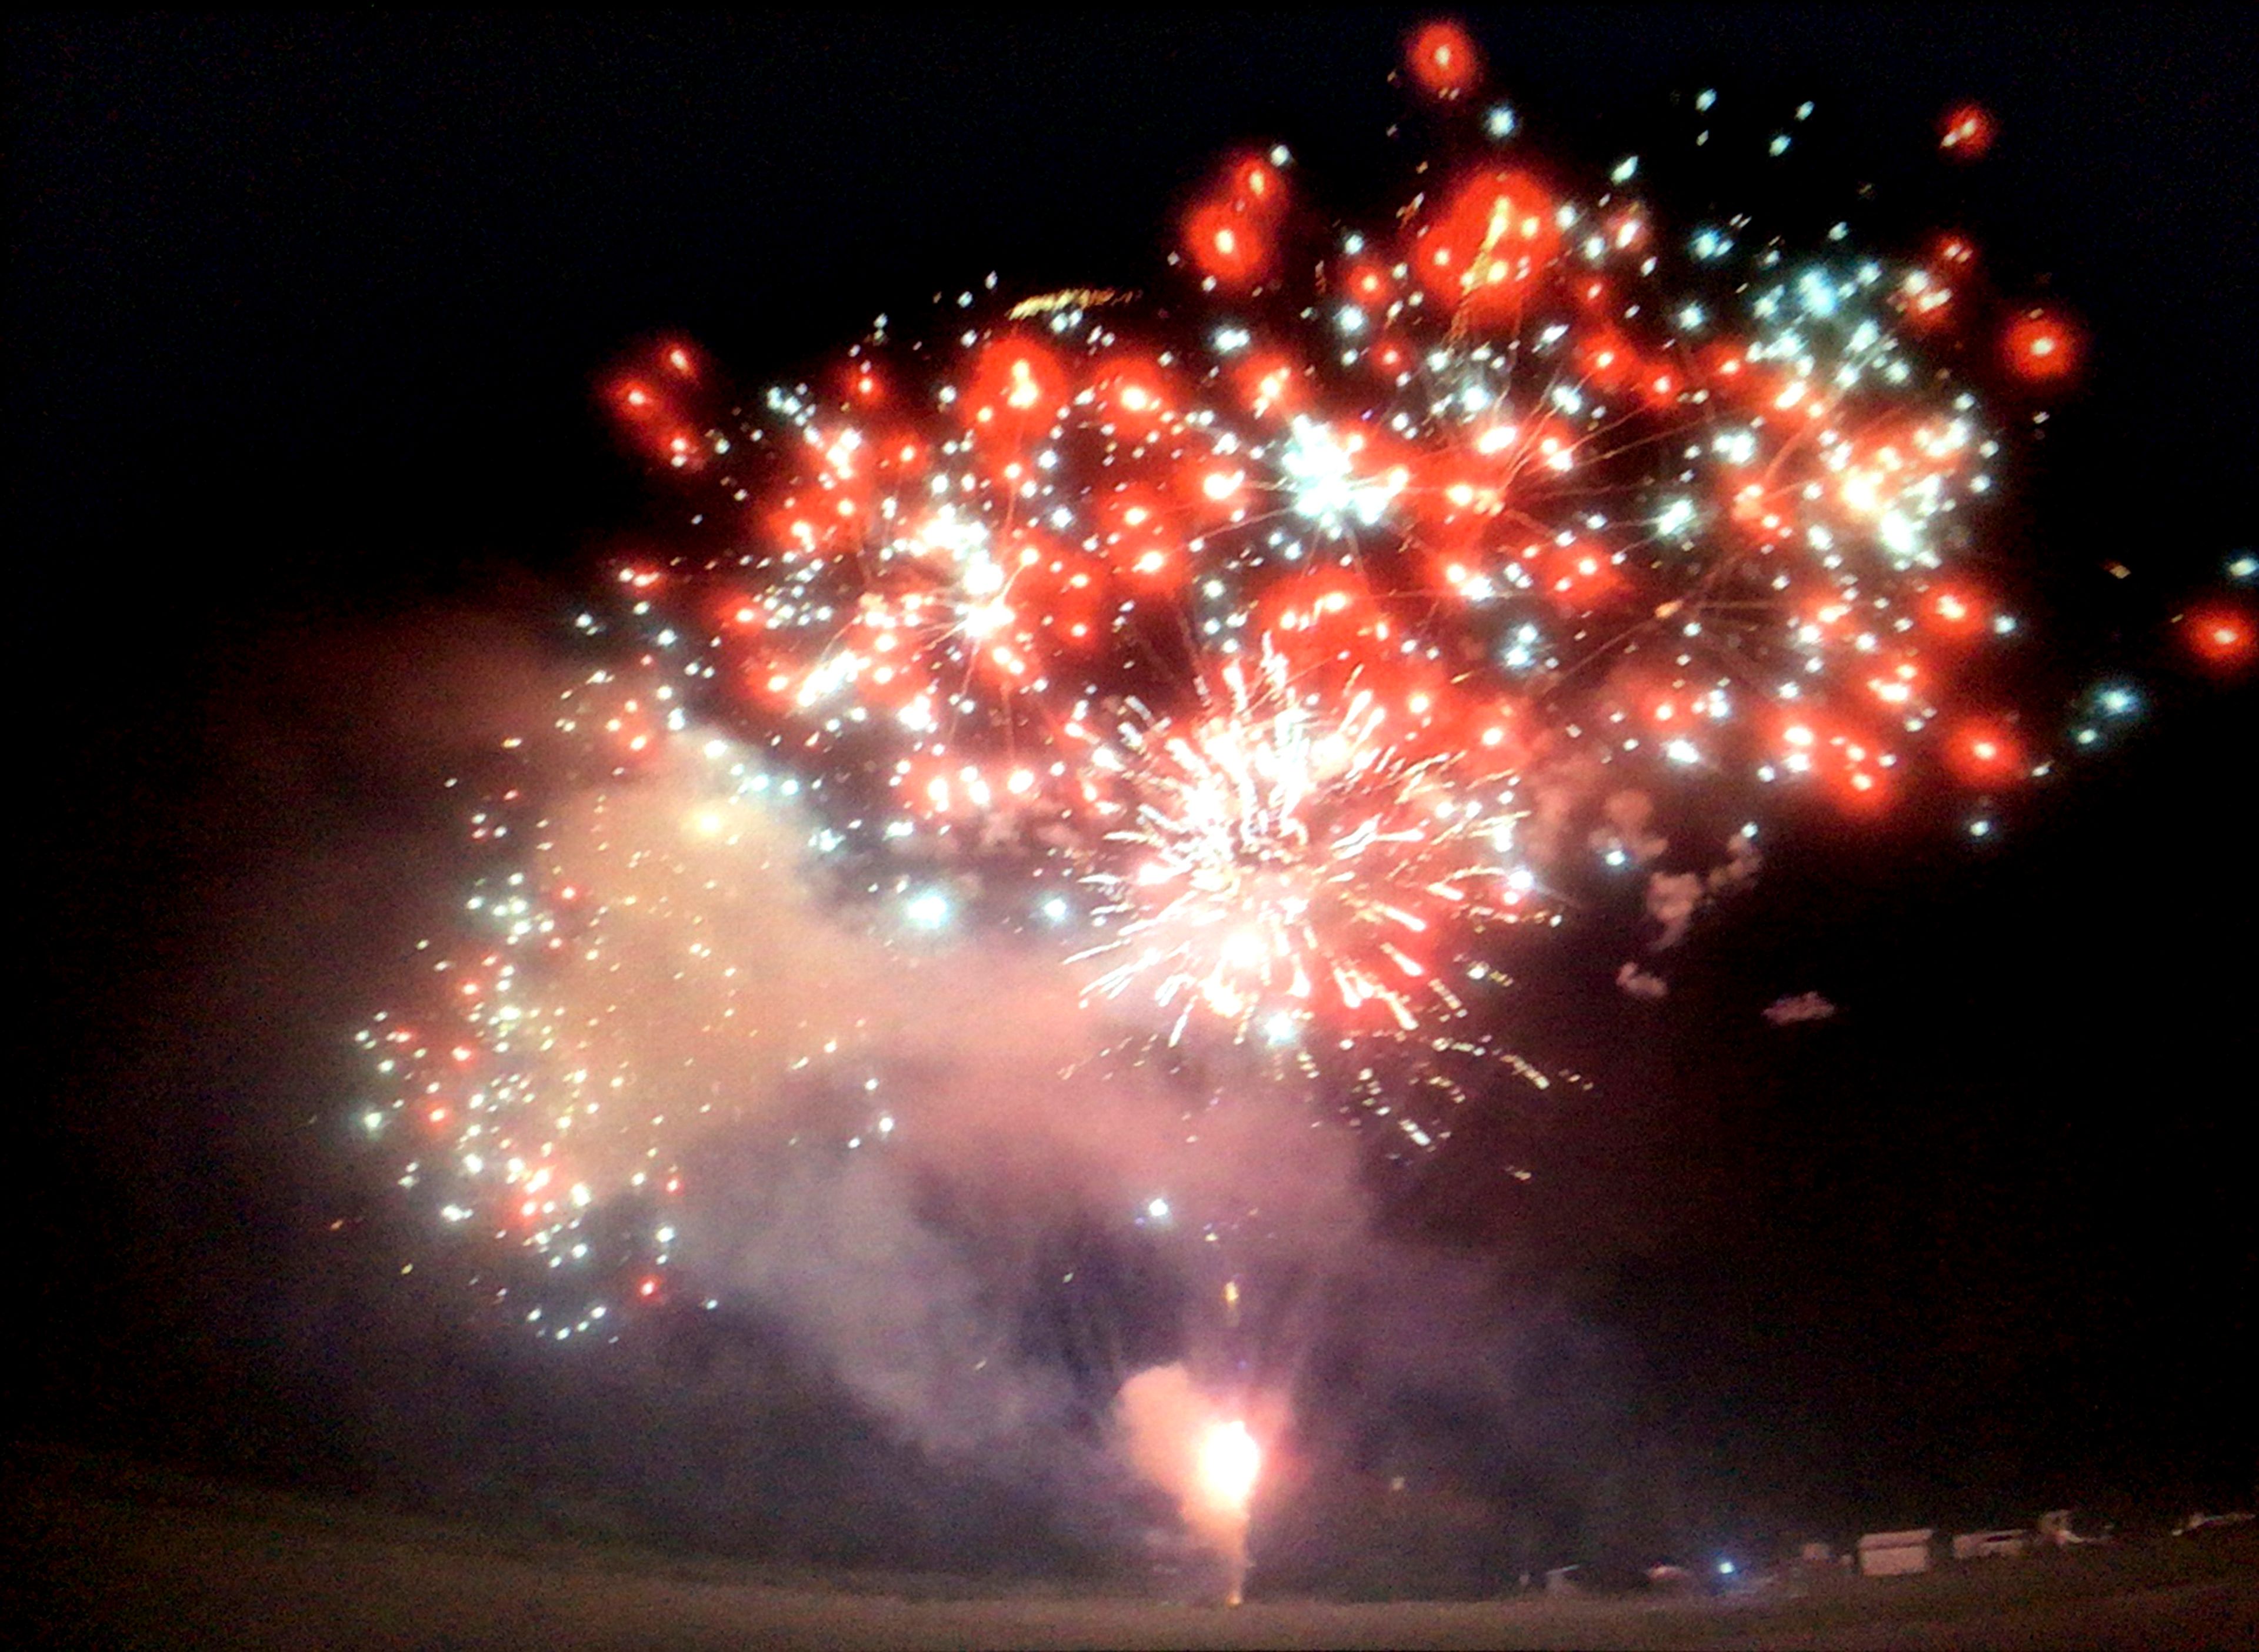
306, 323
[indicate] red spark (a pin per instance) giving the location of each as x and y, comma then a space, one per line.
1255, 186
1966, 132
2219, 635
1444, 60
1488, 244
2042, 346
1984, 753
1227, 243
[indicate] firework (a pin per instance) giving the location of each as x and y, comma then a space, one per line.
1218, 646
1253, 618
1287, 859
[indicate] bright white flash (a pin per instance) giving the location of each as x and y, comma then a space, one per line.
1327, 489
1229, 1460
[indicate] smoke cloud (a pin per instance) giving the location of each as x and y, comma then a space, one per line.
1638, 983
1798, 1006
1630, 827
1673, 898
975, 1255
1200, 1452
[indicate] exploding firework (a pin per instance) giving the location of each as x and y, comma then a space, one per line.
1287, 859
1216, 647
1254, 616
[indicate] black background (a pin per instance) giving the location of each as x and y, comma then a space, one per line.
306, 323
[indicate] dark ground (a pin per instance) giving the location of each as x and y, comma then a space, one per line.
120, 1557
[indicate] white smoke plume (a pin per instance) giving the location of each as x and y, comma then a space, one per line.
892, 1266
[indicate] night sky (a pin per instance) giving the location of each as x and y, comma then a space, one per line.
308, 322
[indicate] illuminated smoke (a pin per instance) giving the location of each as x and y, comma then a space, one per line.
1798, 1006
1638, 983
1195, 1449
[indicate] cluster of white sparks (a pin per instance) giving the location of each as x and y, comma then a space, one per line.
1279, 834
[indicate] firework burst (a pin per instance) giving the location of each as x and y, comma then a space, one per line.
1219, 645
1292, 856
1253, 614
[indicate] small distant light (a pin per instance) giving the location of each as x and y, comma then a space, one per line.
2244, 566
1157, 1210
929, 910
1725, 1569
1980, 829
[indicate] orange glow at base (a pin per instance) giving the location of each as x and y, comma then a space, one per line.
1229, 1460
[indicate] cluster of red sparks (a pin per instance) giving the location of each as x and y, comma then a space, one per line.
1233, 637
1528, 470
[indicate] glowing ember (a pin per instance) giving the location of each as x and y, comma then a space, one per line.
1444, 60
1966, 133
1229, 1460
2042, 348
2221, 636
